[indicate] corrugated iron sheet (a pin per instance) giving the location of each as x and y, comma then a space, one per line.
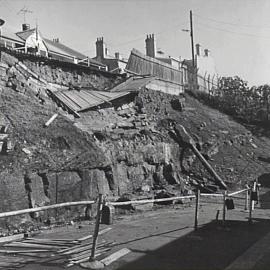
141, 64
85, 99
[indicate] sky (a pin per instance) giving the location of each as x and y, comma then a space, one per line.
237, 32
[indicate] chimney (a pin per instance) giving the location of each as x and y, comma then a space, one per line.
150, 45
117, 55
25, 26
100, 48
206, 52
198, 50
56, 40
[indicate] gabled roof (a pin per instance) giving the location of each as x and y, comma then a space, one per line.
25, 34
54, 47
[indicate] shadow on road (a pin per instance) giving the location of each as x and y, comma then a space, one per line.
212, 246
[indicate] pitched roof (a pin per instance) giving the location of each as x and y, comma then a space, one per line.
52, 46
60, 48
25, 34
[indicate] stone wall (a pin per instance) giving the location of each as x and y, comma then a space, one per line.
27, 75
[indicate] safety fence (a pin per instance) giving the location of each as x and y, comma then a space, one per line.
251, 195
226, 201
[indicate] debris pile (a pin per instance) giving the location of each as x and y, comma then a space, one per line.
47, 251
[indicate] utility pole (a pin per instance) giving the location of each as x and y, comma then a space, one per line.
194, 71
191, 37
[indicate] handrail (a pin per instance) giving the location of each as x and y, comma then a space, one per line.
237, 192
59, 205
42, 208
150, 201
172, 198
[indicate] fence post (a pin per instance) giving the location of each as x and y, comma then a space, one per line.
250, 206
224, 207
254, 190
198, 192
93, 263
246, 198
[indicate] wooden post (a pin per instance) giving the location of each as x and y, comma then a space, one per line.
92, 263
258, 191
254, 190
250, 207
95, 236
246, 199
224, 207
197, 208
56, 194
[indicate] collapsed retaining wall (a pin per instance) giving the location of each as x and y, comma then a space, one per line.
26, 73
116, 151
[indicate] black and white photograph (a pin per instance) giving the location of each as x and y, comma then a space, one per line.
135, 134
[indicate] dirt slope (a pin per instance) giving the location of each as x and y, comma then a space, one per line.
235, 152
49, 148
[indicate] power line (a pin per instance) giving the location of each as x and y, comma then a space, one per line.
141, 37
231, 32
230, 23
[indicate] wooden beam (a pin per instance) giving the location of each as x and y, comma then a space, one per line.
11, 238
90, 236
150, 201
115, 256
42, 208
28, 245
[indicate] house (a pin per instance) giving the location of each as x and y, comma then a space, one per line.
205, 71
150, 47
32, 41
169, 72
115, 64
205, 63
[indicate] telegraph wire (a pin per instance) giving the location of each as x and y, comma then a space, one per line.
142, 37
208, 27
230, 23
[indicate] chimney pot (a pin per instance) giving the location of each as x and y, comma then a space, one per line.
100, 48
150, 45
25, 26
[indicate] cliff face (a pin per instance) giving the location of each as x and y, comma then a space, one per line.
127, 150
